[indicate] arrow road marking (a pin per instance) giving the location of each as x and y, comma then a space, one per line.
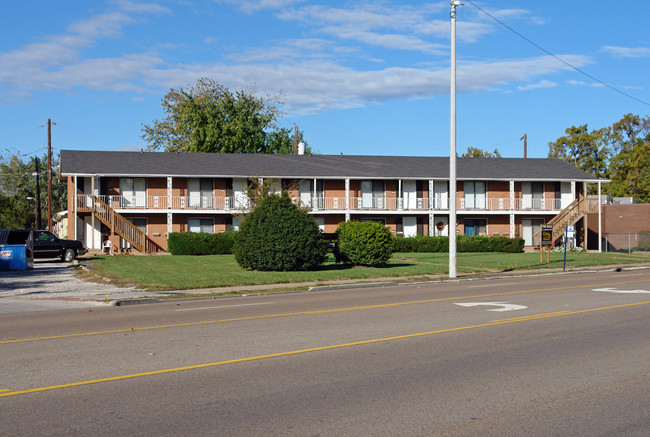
504, 306
614, 290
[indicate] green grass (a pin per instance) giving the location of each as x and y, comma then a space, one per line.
192, 272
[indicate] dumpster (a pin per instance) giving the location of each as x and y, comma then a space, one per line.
16, 249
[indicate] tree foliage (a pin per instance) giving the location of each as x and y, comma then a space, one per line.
364, 243
18, 191
208, 117
620, 152
279, 236
473, 152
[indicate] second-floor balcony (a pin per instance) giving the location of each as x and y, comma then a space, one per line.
324, 204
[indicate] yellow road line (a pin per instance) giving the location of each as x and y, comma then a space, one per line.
303, 351
305, 313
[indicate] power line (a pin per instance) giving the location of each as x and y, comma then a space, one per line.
557, 57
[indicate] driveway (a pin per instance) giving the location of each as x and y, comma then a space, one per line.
52, 285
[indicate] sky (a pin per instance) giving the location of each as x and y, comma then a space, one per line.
357, 77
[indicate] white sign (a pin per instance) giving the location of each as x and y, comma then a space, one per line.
569, 231
614, 290
504, 306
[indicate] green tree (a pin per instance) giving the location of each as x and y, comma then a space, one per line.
364, 243
473, 152
208, 117
620, 152
279, 236
629, 168
18, 191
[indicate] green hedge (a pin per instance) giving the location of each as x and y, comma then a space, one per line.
364, 243
463, 244
195, 243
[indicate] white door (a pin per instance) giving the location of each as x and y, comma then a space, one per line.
469, 195
194, 189
410, 225
133, 192
526, 195
441, 227
92, 239
527, 231
305, 193
409, 195
441, 196
366, 194
239, 186
565, 194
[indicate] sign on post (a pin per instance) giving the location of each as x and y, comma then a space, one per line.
546, 240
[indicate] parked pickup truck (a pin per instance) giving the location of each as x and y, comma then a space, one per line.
46, 244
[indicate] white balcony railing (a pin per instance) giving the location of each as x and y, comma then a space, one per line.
369, 203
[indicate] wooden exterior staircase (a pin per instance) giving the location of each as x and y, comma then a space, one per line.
569, 216
117, 224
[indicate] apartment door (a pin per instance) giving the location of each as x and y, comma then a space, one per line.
239, 186
441, 196
410, 226
529, 228
474, 194
409, 195
565, 194
366, 194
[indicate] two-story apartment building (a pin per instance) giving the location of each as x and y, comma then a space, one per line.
160, 192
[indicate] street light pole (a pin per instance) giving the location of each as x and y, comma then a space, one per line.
452, 147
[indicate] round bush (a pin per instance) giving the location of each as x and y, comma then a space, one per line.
365, 244
279, 236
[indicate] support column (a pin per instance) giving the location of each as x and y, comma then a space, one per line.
347, 199
512, 225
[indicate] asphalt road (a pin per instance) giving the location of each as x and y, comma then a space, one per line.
564, 355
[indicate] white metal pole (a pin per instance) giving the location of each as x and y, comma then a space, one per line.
452, 148
600, 219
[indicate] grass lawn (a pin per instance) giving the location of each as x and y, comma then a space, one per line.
191, 272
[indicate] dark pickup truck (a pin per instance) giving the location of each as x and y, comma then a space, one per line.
46, 244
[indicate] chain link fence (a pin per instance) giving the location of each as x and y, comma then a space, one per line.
626, 242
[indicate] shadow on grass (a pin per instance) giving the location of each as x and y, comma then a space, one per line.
337, 267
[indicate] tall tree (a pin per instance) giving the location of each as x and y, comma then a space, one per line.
208, 117
18, 191
620, 152
629, 168
473, 152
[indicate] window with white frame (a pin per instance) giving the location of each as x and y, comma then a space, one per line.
205, 225
133, 192
200, 192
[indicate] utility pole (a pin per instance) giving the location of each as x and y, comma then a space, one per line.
525, 138
38, 195
295, 139
49, 174
452, 147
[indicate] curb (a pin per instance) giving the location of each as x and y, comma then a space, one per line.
136, 301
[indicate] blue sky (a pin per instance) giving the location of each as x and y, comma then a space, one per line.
358, 77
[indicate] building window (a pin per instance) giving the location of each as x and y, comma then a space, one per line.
205, 225
475, 227
133, 192
474, 194
200, 192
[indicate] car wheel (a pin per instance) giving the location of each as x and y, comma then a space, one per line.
69, 255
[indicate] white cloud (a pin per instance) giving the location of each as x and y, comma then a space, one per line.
627, 52
250, 6
539, 85
581, 83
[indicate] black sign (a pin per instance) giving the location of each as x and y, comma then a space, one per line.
547, 235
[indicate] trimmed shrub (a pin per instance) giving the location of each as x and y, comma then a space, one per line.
194, 243
364, 243
279, 236
464, 243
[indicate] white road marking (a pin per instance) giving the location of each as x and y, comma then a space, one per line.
504, 306
224, 306
614, 290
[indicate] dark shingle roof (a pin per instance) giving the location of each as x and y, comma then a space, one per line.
312, 166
